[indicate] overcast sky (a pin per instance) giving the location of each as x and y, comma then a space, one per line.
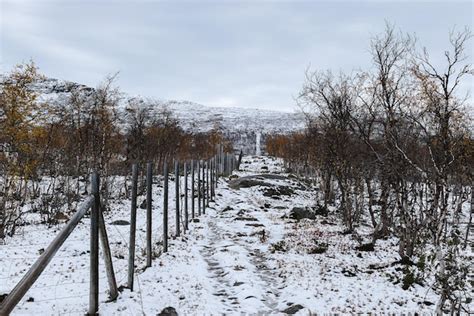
218, 53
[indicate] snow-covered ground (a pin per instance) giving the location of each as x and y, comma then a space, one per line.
243, 256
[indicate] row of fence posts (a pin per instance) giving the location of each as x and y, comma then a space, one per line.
207, 172
203, 174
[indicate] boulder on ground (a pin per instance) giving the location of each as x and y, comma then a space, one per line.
278, 191
293, 309
366, 247
168, 311
299, 213
247, 182
321, 210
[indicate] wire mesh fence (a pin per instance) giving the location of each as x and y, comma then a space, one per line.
65, 283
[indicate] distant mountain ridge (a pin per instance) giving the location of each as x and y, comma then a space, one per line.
241, 125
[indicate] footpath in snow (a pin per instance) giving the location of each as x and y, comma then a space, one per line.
245, 255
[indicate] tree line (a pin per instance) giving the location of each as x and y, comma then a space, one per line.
48, 150
394, 144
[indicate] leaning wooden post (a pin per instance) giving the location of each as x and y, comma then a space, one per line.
176, 182
94, 247
149, 180
109, 268
186, 215
41, 263
165, 207
192, 189
133, 227
199, 187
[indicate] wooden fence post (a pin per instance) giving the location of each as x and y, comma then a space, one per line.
133, 227
240, 159
203, 187
94, 247
232, 160
165, 206
176, 182
221, 153
109, 267
208, 187
192, 189
199, 187
186, 215
212, 178
216, 171
41, 263
224, 158
149, 181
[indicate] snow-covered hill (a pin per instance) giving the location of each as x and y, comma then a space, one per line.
242, 125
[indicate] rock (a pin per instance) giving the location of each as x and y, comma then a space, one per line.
247, 182
238, 283
278, 191
143, 205
325, 222
255, 225
30, 299
299, 213
264, 168
249, 218
2, 297
293, 309
366, 247
348, 273
318, 250
120, 222
228, 208
267, 205
321, 210
241, 212
256, 180
168, 311
195, 220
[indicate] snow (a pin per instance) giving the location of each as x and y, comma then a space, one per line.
240, 125
192, 116
224, 263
